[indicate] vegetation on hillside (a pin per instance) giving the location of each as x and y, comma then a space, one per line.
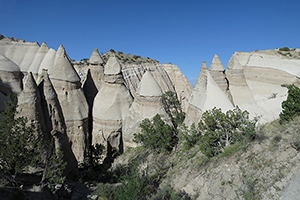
19, 145
291, 106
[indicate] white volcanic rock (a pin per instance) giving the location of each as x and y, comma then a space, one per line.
63, 69
147, 103
217, 71
111, 106
133, 74
55, 123
182, 86
238, 86
96, 58
48, 61
29, 104
269, 59
29, 56
205, 96
112, 66
145, 90
10, 77
8, 65
73, 103
35, 65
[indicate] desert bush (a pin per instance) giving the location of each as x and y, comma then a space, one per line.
172, 106
157, 135
284, 49
291, 106
217, 130
19, 145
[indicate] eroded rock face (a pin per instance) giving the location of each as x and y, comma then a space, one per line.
182, 86
217, 71
111, 106
29, 105
55, 124
147, 103
205, 96
66, 83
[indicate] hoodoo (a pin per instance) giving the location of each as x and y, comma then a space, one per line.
74, 106
147, 103
110, 108
205, 96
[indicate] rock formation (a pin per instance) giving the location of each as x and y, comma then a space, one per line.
29, 105
111, 106
182, 86
55, 123
217, 71
238, 86
67, 84
205, 96
147, 103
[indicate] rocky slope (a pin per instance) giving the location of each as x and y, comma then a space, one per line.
262, 169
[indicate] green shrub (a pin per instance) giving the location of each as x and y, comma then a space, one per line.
156, 135
291, 106
19, 145
284, 49
1, 36
219, 130
172, 106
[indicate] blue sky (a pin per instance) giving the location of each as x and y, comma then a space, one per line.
182, 32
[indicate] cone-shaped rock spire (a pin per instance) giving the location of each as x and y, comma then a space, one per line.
216, 64
35, 65
63, 69
148, 86
29, 104
112, 66
95, 57
205, 96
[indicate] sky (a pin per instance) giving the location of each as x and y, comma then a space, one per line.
183, 32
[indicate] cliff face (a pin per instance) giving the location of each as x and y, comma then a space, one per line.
103, 99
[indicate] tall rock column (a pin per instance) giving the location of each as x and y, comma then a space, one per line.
29, 105
74, 106
238, 86
205, 96
217, 71
110, 108
147, 103
55, 123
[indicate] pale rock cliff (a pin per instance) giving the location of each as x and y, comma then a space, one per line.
29, 105
147, 103
66, 83
111, 106
205, 96
55, 123
182, 86
217, 71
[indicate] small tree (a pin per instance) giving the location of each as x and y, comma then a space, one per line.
173, 108
156, 135
291, 106
218, 130
19, 145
